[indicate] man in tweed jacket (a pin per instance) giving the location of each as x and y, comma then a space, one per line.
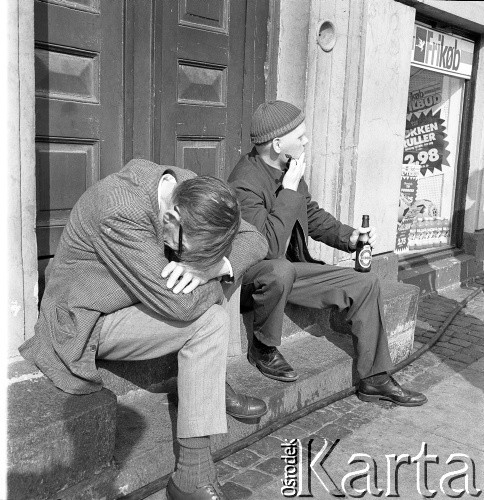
119, 289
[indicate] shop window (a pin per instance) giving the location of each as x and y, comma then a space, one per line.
432, 134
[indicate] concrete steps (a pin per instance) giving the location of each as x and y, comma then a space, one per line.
145, 447
55, 439
400, 303
141, 442
444, 269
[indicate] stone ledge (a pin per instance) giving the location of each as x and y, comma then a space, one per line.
437, 274
400, 302
145, 448
400, 309
474, 244
55, 439
72, 457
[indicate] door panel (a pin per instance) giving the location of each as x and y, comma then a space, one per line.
200, 45
79, 105
199, 154
65, 25
202, 85
209, 14
68, 76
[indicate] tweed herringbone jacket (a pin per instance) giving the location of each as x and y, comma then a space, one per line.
110, 256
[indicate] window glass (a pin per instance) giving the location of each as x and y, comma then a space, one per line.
429, 161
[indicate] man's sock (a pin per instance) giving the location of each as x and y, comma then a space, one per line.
377, 379
195, 466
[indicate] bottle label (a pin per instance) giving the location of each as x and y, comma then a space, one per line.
364, 258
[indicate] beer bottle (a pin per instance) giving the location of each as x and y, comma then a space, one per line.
363, 249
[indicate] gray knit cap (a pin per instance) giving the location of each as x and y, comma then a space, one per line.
273, 119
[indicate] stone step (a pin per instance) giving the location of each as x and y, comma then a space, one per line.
55, 439
80, 430
323, 357
433, 273
145, 449
400, 309
400, 302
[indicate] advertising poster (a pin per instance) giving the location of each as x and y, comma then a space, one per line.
425, 153
408, 209
425, 142
408, 189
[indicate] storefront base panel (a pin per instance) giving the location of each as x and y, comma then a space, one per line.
432, 275
474, 244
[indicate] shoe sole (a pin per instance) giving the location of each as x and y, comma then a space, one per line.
247, 417
369, 398
268, 375
169, 497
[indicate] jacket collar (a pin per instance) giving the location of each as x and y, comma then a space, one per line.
149, 174
274, 174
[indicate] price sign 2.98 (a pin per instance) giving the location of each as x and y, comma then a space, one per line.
423, 157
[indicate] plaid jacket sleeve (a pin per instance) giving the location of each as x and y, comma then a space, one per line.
128, 246
249, 247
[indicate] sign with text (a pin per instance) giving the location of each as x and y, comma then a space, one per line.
441, 52
425, 142
407, 211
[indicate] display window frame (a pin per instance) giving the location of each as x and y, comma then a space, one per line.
462, 153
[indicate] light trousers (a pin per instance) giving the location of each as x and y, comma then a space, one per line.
136, 333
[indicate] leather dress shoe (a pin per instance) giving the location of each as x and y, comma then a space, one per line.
390, 390
271, 363
242, 406
207, 492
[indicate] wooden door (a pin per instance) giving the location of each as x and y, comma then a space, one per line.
207, 58
79, 105
174, 81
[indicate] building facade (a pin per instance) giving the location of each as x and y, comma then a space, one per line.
393, 93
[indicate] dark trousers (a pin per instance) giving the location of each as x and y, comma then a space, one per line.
270, 284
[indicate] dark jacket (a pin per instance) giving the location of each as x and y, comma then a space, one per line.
110, 256
283, 215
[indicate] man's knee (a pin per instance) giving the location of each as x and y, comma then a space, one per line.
216, 318
210, 330
370, 285
372, 280
280, 276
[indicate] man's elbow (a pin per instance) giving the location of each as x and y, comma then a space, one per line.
257, 251
190, 315
262, 248
195, 303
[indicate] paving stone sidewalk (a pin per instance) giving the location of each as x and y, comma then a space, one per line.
451, 376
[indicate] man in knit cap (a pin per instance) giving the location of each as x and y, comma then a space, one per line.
274, 197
